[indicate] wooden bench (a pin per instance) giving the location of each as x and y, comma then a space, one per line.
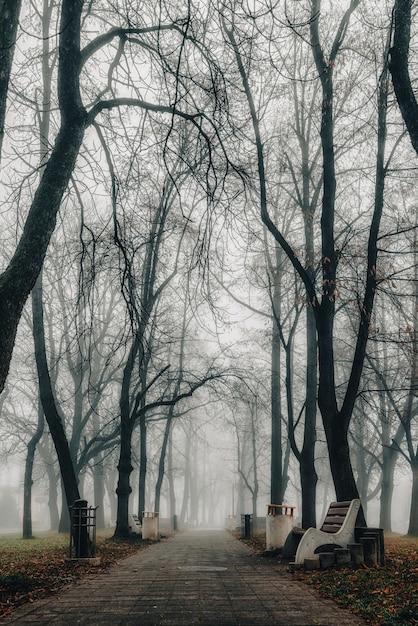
337, 531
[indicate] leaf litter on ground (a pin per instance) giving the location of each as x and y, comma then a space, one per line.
35, 568
383, 596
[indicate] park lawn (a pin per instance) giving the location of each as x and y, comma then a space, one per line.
383, 596
34, 568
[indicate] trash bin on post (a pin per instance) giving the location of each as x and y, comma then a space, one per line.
150, 525
246, 525
279, 523
82, 530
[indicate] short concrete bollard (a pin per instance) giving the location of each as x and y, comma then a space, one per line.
150, 526
370, 550
342, 557
294, 567
357, 554
377, 533
326, 559
312, 563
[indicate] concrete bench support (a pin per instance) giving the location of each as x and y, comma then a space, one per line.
337, 530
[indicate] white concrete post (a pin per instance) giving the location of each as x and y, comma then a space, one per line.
150, 529
278, 526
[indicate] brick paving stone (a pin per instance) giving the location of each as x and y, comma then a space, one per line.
199, 577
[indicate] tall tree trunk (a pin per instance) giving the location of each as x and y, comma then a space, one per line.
52, 416
50, 468
399, 68
19, 278
361, 468
411, 405
276, 481
390, 456
187, 479
110, 484
170, 476
308, 202
336, 422
124, 489
308, 475
413, 516
278, 473
254, 493
54, 515
28, 481
194, 486
64, 520
99, 490
143, 463
9, 20
161, 463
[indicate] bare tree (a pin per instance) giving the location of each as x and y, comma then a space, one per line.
399, 67
9, 21
19, 277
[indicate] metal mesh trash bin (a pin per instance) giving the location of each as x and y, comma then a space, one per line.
246, 525
82, 530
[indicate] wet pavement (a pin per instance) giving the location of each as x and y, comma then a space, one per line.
196, 577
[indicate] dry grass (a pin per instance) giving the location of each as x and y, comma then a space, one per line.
34, 568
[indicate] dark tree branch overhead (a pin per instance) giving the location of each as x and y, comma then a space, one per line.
19, 277
9, 20
399, 68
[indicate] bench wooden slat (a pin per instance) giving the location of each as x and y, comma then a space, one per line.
338, 510
339, 505
334, 519
330, 528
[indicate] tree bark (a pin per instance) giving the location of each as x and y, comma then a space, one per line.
187, 479
277, 481
413, 516
161, 463
390, 456
399, 68
98, 485
170, 476
124, 489
278, 472
52, 416
20, 276
9, 20
28, 481
143, 464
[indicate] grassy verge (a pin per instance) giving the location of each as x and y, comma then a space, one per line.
34, 568
383, 596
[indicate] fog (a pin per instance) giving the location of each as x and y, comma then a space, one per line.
208, 297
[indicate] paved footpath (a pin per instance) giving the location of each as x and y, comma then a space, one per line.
196, 577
